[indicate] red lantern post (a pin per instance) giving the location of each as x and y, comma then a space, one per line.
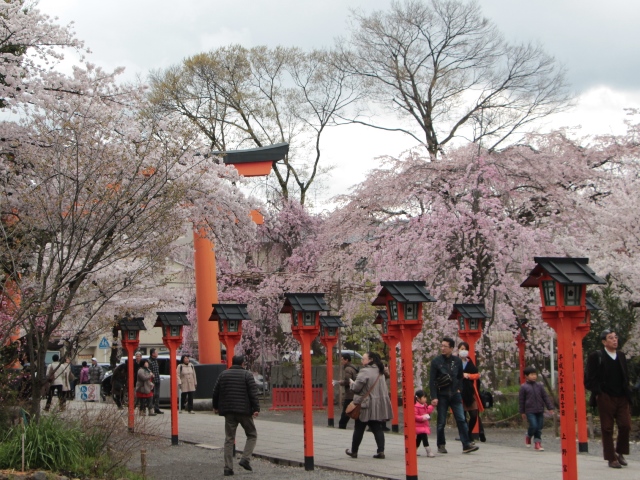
329, 330
563, 287
172, 324
470, 318
403, 300
391, 342
305, 311
255, 162
229, 317
130, 328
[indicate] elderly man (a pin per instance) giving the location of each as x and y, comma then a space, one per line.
235, 397
607, 377
350, 373
96, 372
155, 369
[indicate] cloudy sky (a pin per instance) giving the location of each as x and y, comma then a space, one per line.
594, 40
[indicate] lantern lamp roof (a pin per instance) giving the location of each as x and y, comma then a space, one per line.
591, 305
406, 291
171, 319
304, 302
468, 310
229, 311
132, 324
564, 270
381, 316
270, 153
329, 321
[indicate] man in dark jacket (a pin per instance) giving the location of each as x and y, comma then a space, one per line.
235, 397
155, 369
445, 384
607, 377
350, 373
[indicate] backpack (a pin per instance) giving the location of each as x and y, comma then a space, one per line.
84, 375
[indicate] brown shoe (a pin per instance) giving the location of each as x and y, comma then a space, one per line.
379, 455
621, 460
351, 454
615, 464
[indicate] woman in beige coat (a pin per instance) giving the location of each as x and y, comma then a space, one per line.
187, 382
375, 408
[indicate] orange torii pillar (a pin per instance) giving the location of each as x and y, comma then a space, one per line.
255, 162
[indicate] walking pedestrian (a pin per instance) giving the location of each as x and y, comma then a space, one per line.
84, 374
371, 393
58, 377
96, 372
422, 411
350, 373
533, 398
607, 377
471, 402
235, 397
144, 387
155, 369
445, 384
119, 384
188, 382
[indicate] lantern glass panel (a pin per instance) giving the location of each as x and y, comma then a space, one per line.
294, 318
322, 330
332, 331
410, 311
233, 325
221, 325
132, 335
461, 323
549, 290
309, 319
572, 295
393, 310
473, 324
385, 326
175, 331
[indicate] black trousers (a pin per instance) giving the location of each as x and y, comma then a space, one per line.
62, 396
358, 433
187, 401
422, 437
344, 418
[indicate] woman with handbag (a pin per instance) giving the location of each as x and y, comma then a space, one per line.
372, 401
471, 401
144, 388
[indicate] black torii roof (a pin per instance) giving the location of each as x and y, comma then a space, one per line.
132, 324
329, 321
229, 311
564, 270
381, 316
171, 319
406, 291
271, 153
591, 305
468, 310
304, 302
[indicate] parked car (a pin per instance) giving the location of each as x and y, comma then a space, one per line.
263, 386
355, 356
293, 356
165, 372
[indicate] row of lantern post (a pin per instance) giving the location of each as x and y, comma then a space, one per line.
562, 283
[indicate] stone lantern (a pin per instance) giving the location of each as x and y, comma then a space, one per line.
403, 300
305, 311
470, 319
562, 282
172, 324
130, 328
229, 317
391, 341
329, 331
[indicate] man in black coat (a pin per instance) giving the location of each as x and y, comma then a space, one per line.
607, 377
235, 397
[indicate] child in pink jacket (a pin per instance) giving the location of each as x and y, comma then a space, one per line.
422, 410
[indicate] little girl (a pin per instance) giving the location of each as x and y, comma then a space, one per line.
422, 410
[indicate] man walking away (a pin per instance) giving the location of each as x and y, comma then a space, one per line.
445, 384
235, 397
155, 369
350, 374
607, 377
96, 373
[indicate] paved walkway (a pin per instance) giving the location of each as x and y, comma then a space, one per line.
284, 442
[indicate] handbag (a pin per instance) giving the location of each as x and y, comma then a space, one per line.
353, 409
444, 381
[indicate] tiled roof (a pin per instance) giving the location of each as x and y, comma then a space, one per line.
468, 310
564, 270
133, 324
404, 291
328, 321
381, 316
591, 305
171, 318
229, 311
304, 302
271, 153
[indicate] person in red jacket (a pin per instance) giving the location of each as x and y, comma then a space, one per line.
422, 411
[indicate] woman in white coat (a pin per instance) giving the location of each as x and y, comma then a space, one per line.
187, 382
